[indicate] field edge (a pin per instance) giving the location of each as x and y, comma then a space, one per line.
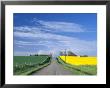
73, 69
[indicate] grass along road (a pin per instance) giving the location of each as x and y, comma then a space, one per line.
25, 65
53, 69
79, 69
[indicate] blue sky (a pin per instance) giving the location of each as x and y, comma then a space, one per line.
45, 33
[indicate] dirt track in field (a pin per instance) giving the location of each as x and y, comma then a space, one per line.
53, 69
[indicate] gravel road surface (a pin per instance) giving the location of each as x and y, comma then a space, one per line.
53, 69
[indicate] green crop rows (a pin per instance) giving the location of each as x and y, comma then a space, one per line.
24, 64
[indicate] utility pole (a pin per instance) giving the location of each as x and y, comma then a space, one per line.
65, 55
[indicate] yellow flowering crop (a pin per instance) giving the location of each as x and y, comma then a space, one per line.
76, 60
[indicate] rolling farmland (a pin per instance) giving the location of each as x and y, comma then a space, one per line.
75, 60
24, 65
79, 65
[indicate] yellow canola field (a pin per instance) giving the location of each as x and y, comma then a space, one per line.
75, 60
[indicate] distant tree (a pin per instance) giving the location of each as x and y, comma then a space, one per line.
84, 56
35, 55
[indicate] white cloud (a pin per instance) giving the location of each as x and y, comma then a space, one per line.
16, 53
27, 29
23, 44
53, 42
44, 52
41, 35
62, 26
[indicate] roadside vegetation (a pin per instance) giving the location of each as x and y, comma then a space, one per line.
79, 69
26, 65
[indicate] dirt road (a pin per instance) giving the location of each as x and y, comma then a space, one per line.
53, 69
